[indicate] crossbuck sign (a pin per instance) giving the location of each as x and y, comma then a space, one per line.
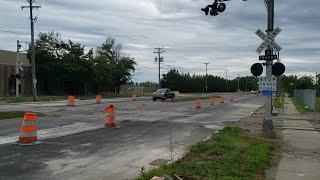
268, 40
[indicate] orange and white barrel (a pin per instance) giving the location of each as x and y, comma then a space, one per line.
110, 119
212, 100
28, 129
134, 96
198, 103
98, 99
232, 98
222, 99
71, 101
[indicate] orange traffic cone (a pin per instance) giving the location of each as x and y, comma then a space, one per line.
134, 96
212, 100
222, 99
28, 129
198, 103
110, 119
98, 99
71, 101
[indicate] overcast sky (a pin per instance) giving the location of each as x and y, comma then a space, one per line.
226, 41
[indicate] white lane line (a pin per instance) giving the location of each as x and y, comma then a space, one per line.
56, 132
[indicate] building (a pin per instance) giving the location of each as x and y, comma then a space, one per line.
8, 70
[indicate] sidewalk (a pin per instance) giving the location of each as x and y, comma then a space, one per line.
301, 158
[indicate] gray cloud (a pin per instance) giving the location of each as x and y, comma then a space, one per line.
226, 41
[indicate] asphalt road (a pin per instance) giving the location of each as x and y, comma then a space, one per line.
75, 145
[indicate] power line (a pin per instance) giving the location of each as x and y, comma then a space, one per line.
14, 32
79, 15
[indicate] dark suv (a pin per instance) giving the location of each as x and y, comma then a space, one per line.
163, 94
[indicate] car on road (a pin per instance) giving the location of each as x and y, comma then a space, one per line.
163, 94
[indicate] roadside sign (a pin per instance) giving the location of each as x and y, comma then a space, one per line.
268, 57
268, 40
266, 93
267, 84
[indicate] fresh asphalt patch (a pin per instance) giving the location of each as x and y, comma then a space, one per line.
32, 162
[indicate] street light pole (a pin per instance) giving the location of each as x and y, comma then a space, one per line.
17, 71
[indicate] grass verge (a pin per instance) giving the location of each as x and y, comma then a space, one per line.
15, 114
230, 154
300, 106
278, 102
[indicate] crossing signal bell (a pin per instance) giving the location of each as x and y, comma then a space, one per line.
257, 69
278, 69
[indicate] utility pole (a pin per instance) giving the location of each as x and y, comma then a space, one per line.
206, 76
159, 51
17, 71
33, 64
227, 80
238, 82
267, 123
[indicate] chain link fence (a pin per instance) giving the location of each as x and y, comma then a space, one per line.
308, 97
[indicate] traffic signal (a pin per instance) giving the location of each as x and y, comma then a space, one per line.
213, 12
278, 69
221, 7
215, 8
257, 69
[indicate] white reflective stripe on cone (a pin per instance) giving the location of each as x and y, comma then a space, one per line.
28, 134
29, 123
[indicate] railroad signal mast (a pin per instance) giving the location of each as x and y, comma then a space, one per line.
268, 83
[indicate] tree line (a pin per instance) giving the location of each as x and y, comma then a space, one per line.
186, 83
63, 67
290, 83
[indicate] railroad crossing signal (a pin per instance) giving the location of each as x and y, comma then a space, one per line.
268, 40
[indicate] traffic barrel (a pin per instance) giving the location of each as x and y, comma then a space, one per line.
198, 103
71, 101
28, 129
134, 96
232, 98
98, 99
110, 119
212, 100
222, 99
